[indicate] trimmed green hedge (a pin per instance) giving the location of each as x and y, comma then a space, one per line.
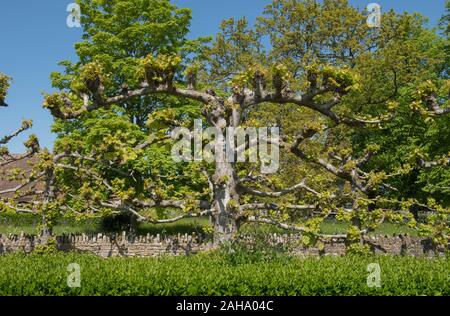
218, 274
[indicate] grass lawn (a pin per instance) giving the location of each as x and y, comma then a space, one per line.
15, 224
334, 227
29, 224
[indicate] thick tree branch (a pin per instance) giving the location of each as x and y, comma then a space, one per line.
298, 186
22, 185
430, 164
141, 218
75, 155
19, 209
68, 113
171, 204
254, 219
8, 159
434, 108
276, 206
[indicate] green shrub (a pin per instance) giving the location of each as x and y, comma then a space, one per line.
217, 274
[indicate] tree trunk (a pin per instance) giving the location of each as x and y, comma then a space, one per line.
49, 195
226, 198
46, 231
133, 225
225, 228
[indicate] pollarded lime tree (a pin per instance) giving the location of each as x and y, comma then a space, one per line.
314, 82
393, 77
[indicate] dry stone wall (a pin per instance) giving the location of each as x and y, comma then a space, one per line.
153, 246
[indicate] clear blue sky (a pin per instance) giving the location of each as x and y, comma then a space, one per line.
34, 38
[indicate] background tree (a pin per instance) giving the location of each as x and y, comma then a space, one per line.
413, 146
117, 34
446, 18
330, 82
